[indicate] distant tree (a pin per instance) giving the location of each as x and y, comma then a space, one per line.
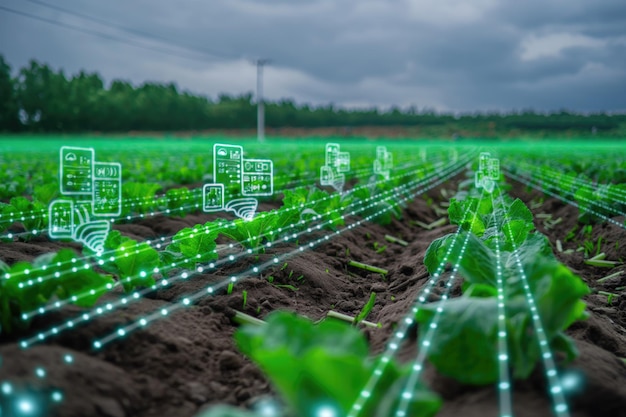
41, 99
9, 120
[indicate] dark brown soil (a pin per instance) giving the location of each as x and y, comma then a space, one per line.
181, 365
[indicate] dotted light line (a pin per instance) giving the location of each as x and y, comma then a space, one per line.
105, 254
555, 184
504, 377
406, 322
418, 364
556, 389
194, 194
136, 295
105, 259
211, 289
573, 203
557, 176
109, 307
76, 297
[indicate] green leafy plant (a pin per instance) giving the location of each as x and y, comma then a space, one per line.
464, 346
326, 364
133, 262
22, 211
21, 292
196, 245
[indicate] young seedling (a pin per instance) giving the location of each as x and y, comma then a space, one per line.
559, 247
588, 247
368, 267
378, 248
392, 239
437, 223
571, 234
244, 294
599, 247
366, 310
536, 204
599, 261
609, 297
288, 286
229, 290
243, 318
609, 277
350, 319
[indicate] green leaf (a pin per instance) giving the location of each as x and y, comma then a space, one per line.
196, 246
435, 253
21, 204
250, 233
463, 347
455, 211
518, 211
515, 233
325, 364
135, 263
477, 264
46, 193
367, 308
84, 284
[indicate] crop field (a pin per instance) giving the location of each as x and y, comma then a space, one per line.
222, 277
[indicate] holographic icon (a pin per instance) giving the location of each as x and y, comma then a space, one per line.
488, 172
384, 162
235, 176
336, 165
107, 189
91, 190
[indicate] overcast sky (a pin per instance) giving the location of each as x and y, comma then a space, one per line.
452, 55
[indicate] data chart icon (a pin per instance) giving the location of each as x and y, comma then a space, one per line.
76, 170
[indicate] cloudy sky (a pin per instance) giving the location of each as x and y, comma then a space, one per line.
452, 55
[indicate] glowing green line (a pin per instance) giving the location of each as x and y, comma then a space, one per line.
556, 389
254, 271
136, 295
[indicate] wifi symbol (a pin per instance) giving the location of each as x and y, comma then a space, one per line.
244, 208
93, 234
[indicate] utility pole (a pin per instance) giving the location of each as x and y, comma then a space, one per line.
260, 113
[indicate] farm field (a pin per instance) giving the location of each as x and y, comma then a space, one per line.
428, 278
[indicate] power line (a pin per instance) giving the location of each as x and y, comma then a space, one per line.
132, 31
260, 115
100, 34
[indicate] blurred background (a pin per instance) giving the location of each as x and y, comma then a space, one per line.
411, 68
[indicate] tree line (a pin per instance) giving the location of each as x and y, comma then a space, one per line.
40, 99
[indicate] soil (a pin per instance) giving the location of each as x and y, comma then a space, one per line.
188, 362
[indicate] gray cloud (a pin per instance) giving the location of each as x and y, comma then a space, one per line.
451, 55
